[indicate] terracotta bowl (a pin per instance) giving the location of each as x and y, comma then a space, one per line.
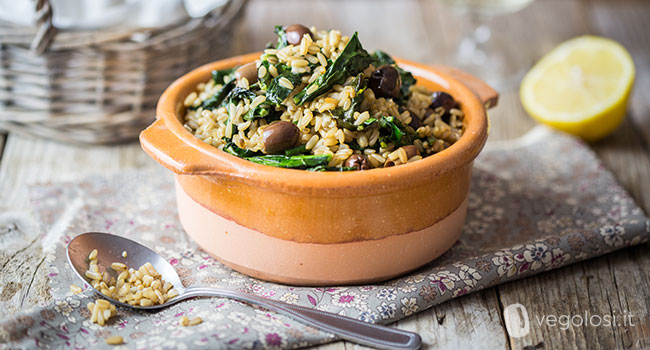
320, 228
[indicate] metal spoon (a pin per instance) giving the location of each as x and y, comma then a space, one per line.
110, 248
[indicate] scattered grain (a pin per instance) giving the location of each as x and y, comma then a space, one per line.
75, 289
114, 340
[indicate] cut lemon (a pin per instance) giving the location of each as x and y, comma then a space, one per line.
580, 87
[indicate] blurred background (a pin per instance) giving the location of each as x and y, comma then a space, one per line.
94, 73
507, 36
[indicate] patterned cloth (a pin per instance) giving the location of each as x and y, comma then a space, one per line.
537, 203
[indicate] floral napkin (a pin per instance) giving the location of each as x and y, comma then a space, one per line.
537, 203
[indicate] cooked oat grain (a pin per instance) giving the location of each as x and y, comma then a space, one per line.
114, 340
142, 287
75, 289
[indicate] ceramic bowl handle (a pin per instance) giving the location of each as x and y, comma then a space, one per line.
485, 92
171, 152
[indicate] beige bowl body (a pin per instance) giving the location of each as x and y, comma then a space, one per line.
305, 228
274, 259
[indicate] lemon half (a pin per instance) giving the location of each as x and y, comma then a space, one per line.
580, 87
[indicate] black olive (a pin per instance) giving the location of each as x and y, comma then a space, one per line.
415, 122
248, 71
442, 99
295, 32
411, 151
385, 82
358, 161
280, 136
446, 117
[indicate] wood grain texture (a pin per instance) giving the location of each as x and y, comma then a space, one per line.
3, 138
628, 23
602, 286
28, 160
425, 31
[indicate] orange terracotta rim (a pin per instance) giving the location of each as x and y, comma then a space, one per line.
208, 160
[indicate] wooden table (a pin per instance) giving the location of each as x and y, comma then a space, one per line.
427, 32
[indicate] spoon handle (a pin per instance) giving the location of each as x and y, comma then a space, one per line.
360, 332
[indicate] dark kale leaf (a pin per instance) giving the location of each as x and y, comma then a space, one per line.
293, 158
330, 168
237, 151
215, 100
355, 146
404, 91
266, 79
345, 118
352, 60
302, 149
282, 37
263, 110
381, 58
395, 131
277, 93
283, 68
367, 123
219, 75
238, 94
235, 96
296, 162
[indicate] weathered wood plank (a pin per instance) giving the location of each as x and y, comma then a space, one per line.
625, 154
469, 322
632, 278
27, 160
600, 288
628, 24
608, 285
626, 151
3, 139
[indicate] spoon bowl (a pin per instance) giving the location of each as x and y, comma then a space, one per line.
110, 248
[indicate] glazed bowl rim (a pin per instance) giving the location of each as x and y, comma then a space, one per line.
221, 163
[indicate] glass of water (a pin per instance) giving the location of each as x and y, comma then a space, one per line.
476, 52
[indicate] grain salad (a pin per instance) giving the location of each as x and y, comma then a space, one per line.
317, 100
141, 287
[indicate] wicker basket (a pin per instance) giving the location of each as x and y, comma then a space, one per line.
100, 86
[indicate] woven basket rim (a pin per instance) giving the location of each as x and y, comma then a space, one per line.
70, 38
106, 92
